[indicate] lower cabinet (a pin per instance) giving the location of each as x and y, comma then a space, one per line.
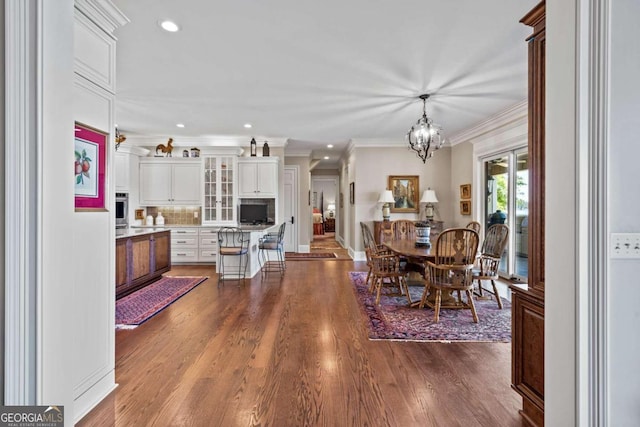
194, 244
527, 352
141, 260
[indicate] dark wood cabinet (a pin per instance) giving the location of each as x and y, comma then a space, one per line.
330, 225
528, 301
141, 260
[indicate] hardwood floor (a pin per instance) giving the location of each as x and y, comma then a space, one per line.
295, 353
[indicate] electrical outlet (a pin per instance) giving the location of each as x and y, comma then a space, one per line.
625, 245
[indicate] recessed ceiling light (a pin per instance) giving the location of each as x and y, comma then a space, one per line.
170, 26
326, 157
248, 125
329, 145
180, 125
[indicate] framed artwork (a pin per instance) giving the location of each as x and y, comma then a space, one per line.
352, 193
465, 191
90, 168
465, 207
406, 193
341, 200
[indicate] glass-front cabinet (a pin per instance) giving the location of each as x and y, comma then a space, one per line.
219, 190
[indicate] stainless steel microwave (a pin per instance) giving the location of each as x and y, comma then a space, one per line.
122, 210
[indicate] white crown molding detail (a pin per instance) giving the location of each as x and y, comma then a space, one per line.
201, 141
21, 204
516, 113
299, 153
103, 13
129, 149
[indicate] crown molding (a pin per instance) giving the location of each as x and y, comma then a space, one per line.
103, 13
514, 115
201, 141
132, 149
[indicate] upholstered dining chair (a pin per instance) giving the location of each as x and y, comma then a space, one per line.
272, 242
451, 271
488, 262
232, 242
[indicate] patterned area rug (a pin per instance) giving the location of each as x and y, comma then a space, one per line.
311, 255
140, 306
394, 320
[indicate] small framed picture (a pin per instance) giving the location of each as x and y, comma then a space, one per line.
465, 207
341, 200
465, 191
352, 193
90, 168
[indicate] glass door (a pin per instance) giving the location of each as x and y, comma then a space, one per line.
219, 206
506, 183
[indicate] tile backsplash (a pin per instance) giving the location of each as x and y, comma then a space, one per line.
177, 215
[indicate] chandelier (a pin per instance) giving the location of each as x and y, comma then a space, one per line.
424, 137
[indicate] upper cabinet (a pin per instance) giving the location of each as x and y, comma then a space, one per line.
258, 177
165, 182
219, 190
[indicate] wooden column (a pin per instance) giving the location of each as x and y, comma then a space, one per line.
528, 300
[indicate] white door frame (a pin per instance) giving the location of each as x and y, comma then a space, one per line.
294, 227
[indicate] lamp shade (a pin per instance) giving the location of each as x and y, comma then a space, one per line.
386, 197
331, 206
429, 196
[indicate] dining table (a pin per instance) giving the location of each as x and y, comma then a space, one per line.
417, 254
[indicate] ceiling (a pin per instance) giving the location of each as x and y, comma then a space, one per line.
310, 73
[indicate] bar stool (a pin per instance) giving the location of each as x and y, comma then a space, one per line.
232, 242
272, 242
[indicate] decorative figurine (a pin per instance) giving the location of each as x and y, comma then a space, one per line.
253, 147
185, 153
195, 152
167, 149
265, 150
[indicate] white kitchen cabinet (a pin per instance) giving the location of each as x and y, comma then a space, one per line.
122, 172
208, 245
170, 182
184, 245
219, 205
258, 177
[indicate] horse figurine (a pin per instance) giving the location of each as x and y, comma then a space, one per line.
167, 149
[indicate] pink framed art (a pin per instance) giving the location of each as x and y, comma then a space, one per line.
90, 168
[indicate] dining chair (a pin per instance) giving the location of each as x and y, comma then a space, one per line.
386, 272
371, 249
488, 262
232, 242
403, 229
475, 226
451, 271
272, 242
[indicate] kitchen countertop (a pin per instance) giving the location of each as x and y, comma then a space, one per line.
137, 230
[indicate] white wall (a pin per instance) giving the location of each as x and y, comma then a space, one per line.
2, 242
462, 173
373, 167
624, 206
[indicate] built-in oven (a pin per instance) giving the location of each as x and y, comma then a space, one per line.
122, 210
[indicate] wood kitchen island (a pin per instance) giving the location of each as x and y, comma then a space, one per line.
142, 255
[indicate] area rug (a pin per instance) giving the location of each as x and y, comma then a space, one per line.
394, 320
138, 307
310, 255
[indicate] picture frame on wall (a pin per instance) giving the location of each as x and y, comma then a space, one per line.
90, 169
465, 207
341, 200
465, 191
352, 193
406, 193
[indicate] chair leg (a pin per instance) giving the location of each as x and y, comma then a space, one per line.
220, 269
472, 306
495, 291
406, 289
437, 307
378, 289
480, 290
425, 293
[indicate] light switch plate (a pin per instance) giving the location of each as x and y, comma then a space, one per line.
625, 245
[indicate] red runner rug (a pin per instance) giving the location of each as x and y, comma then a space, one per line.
140, 306
299, 255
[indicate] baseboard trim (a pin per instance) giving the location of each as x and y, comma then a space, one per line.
88, 400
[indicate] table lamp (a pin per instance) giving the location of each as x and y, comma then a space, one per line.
331, 207
429, 198
386, 197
